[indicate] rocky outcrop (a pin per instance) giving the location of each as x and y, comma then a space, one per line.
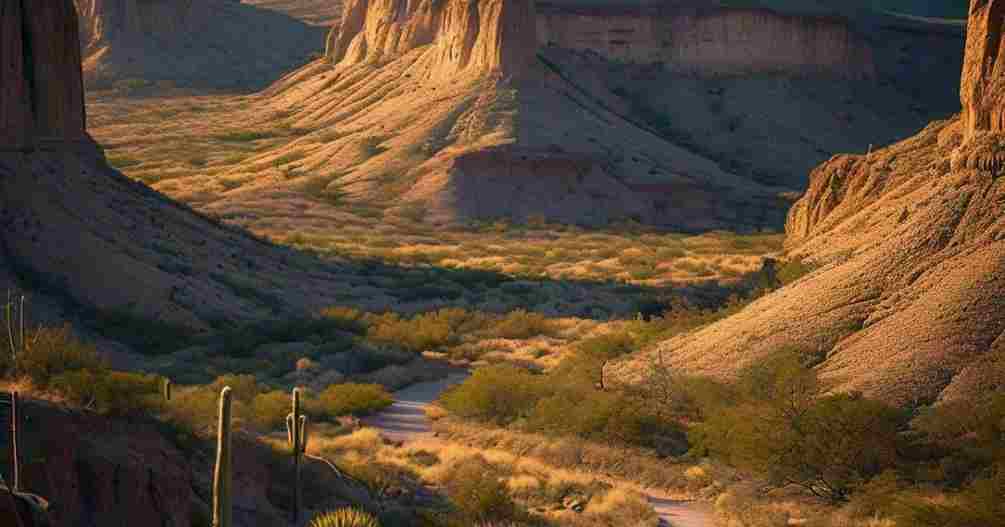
982, 89
42, 97
907, 305
104, 20
478, 37
711, 40
499, 34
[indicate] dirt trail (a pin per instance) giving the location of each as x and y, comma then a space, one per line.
406, 420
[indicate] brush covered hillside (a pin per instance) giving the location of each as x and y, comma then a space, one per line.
906, 305
202, 44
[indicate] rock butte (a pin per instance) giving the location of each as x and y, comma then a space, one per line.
696, 39
684, 37
908, 305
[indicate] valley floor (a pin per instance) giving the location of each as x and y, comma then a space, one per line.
406, 420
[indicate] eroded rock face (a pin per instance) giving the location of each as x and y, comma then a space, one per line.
480, 37
711, 41
103, 472
982, 86
103, 20
41, 99
907, 303
15, 99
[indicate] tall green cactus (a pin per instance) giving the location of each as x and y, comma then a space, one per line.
296, 435
222, 510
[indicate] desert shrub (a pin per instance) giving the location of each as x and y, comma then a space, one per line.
964, 437
194, 409
351, 398
346, 318
244, 388
379, 477
675, 396
521, 324
421, 333
601, 416
50, 352
476, 487
110, 392
979, 505
597, 351
500, 393
829, 448
269, 409
793, 270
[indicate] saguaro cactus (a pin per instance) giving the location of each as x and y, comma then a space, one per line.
222, 510
15, 433
296, 435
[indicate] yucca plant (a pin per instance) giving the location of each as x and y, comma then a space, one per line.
347, 517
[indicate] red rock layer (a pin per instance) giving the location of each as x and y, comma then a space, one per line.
717, 41
480, 37
982, 87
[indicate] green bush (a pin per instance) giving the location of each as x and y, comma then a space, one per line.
782, 430
500, 393
521, 324
269, 409
51, 352
979, 505
351, 398
244, 388
475, 487
424, 332
110, 392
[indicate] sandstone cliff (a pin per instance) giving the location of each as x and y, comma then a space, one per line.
42, 98
981, 91
908, 305
81, 230
474, 37
104, 20
190, 43
711, 40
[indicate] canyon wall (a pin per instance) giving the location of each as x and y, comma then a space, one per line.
710, 41
42, 93
982, 88
473, 37
103, 20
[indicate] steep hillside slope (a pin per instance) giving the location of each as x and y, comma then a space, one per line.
908, 305
77, 228
194, 44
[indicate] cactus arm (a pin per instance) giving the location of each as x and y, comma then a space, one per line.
297, 448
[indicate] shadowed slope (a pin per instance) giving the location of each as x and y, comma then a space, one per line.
199, 44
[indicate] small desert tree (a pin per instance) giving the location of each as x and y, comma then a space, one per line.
784, 432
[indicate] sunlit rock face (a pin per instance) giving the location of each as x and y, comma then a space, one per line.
982, 86
473, 37
711, 41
